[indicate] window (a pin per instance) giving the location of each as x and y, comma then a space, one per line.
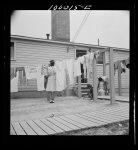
12, 51
100, 59
80, 53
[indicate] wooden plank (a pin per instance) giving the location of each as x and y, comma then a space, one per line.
107, 114
120, 113
111, 73
52, 126
119, 78
59, 124
117, 97
112, 110
27, 128
111, 115
18, 129
79, 86
90, 119
120, 98
98, 118
94, 79
83, 121
73, 127
104, 118
95, 118
72, 122
36, 128
44, 127
108, 117
116, 109
12, 131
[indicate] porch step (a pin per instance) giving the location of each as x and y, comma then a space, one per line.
84, 89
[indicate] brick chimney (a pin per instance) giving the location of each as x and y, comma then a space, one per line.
60, 21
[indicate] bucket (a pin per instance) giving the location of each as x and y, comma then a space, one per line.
101, 92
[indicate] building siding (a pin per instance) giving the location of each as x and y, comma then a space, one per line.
34, 54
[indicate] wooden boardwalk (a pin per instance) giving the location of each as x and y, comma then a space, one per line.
117, 98
60, 124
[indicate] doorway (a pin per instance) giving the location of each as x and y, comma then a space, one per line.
80, 53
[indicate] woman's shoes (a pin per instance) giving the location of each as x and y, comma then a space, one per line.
51, 101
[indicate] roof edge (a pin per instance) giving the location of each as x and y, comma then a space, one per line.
66, 43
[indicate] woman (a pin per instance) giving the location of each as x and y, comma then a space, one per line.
51, 84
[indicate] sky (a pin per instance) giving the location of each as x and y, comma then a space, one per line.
111, 27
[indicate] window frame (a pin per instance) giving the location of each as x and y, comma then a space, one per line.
14, 51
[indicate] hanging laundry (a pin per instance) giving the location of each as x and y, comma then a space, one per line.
40, 79
115, 66
21, 69
83, 62
31, 72
97, 53
91, 56
127, 63
40, 83
51, 84
67, 80
14, 83
13, 74
123, 69
44, 69
81, 59
69, 66
60, 75
87, 62
77, 68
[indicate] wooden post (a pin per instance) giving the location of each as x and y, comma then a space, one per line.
119, 78
79, 86
104, 65
111, 72
94, 79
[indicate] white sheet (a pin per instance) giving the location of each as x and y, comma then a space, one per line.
69, 64
77, 68
14, 83
60, 75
